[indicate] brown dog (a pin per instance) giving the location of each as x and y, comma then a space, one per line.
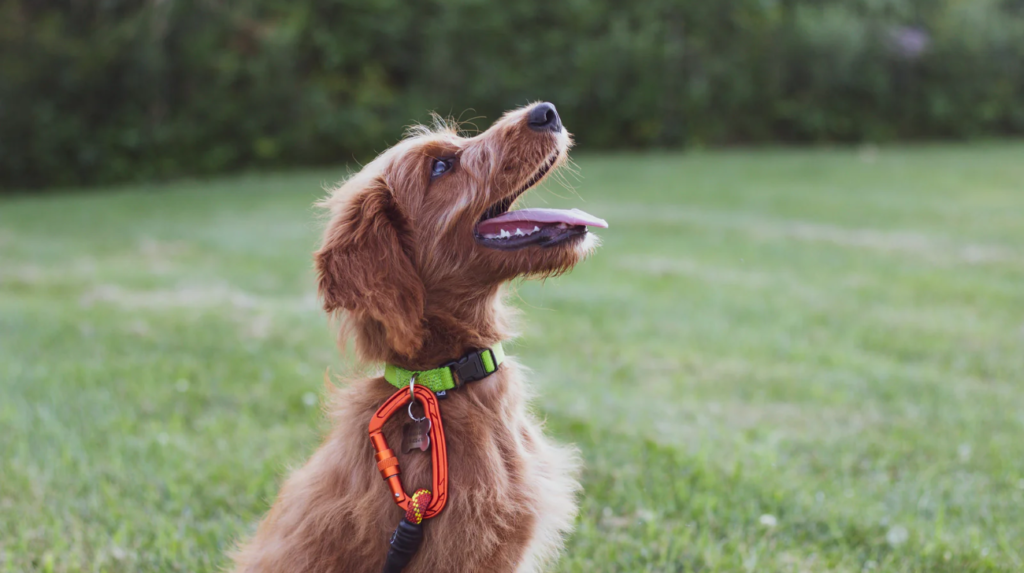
419, 245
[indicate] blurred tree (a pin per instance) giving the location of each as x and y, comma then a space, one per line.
110, 90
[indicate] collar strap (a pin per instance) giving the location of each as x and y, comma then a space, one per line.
474, 366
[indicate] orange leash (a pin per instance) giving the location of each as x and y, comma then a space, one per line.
424, 503
387, 461
418, 506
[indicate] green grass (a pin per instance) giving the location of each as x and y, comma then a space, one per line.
831, 341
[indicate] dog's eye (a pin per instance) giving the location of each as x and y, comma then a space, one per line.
439, 167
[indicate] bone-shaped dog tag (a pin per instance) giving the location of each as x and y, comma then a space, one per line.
416, 435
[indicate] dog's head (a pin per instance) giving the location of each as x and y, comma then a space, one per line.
427, 228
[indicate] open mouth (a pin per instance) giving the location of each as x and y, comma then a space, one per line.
507, 230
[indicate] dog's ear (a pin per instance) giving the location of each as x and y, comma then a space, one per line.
365, 266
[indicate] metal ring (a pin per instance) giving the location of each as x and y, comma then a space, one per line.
412, 400
414, 418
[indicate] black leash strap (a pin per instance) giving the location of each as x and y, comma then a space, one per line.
405, 541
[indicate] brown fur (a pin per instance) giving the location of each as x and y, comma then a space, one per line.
400, 262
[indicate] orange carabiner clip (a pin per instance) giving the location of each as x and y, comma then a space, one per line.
387, 462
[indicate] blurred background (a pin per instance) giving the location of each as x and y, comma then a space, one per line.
799, 349
107, 90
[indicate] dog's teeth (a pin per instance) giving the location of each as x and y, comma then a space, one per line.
506, 234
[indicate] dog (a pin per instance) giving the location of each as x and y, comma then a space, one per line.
418, 247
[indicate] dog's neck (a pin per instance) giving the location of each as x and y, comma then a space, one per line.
454, 323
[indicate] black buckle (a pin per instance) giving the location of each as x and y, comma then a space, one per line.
469, 368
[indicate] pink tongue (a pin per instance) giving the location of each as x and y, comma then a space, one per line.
532, 217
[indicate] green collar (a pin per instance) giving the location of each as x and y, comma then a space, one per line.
476, 365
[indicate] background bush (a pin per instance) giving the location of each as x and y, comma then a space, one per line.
110, 90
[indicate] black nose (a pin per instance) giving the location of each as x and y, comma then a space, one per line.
543, 117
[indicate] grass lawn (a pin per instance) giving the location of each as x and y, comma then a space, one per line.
778, 361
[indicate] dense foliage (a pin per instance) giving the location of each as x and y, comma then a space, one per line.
108, 90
